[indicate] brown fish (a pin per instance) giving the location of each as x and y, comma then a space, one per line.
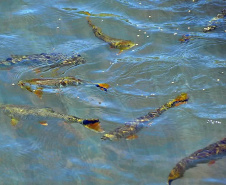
212, 152
130, 129
42, 83
113, 42
17, 112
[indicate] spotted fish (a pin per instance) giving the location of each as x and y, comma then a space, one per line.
49, 61
41, 83
214, 22
113, 42
208, 154
17, 112
130, 129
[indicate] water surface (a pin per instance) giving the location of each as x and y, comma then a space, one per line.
142, 79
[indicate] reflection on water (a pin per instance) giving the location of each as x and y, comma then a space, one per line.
155, 70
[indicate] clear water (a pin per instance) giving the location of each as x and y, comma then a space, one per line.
141, 79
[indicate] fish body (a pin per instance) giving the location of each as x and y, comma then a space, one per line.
41, 83
129, 130
51, 82
17, 112
185, 38
113, 42
208, 154
50, 61
72, 61
213, 23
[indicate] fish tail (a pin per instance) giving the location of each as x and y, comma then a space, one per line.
103, 86
93, 124
169, 182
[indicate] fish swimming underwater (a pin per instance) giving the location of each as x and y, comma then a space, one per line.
113, 42
49, 61
41, 83
212, 152
17, 112
129, 130
213, 23
185, 38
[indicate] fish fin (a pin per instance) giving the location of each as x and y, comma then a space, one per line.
87, 13
93, 124
211, 162
169, 182
103, 86
38, 92
44, 123
182, 40
179, 103
14, 121
37, 70
95, 127
119, 52
131, 137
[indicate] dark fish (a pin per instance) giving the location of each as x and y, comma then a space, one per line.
113, 42
212, 152
214, 22
185, 38
50, 61
129, 130
17, 112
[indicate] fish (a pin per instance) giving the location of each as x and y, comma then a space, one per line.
185, 38
41, 83
49, 61
130, 129
212, 152
18, 112
213, 23
113, 42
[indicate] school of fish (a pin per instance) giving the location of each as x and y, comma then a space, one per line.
57, 61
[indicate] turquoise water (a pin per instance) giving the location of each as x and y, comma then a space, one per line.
142, 79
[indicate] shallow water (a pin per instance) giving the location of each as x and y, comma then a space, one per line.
142, 79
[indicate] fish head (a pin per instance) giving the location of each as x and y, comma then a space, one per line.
125, 44
175, 173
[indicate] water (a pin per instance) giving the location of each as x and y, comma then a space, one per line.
142, 79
